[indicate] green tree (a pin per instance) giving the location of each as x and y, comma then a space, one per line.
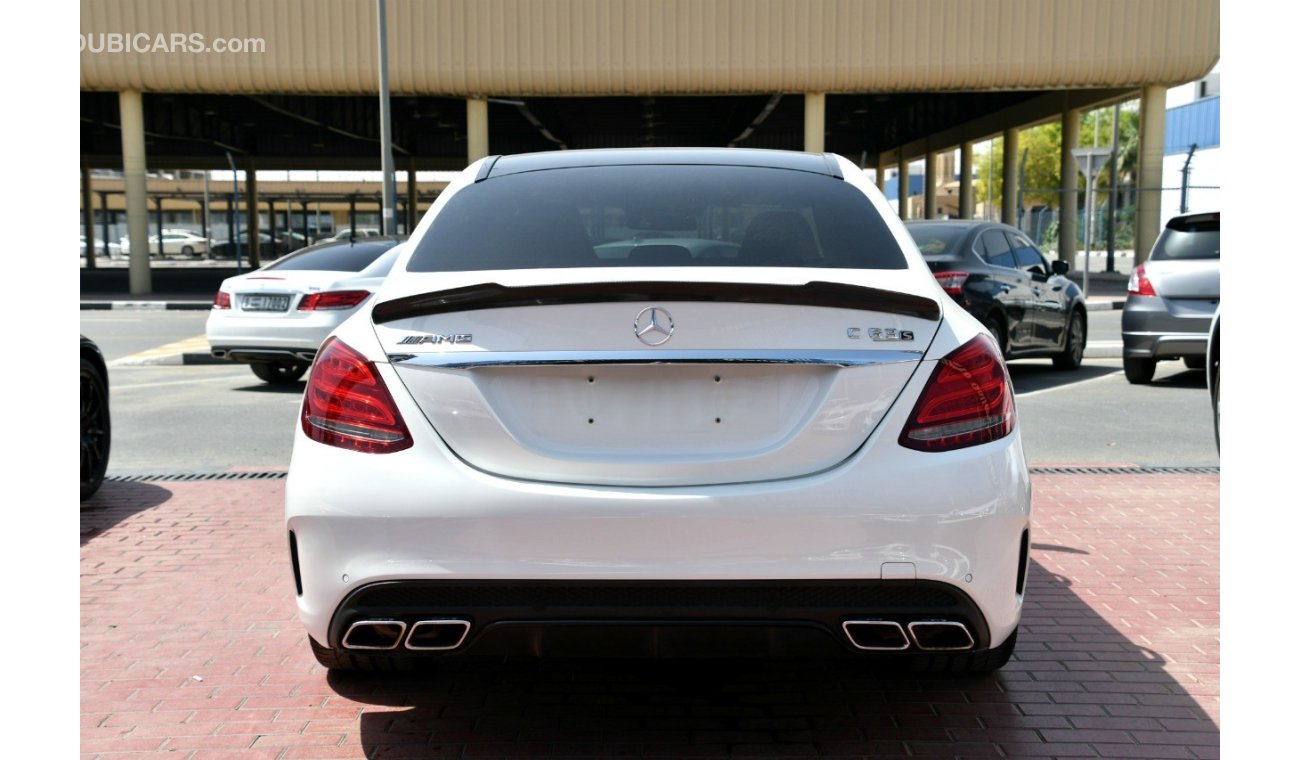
1041, 146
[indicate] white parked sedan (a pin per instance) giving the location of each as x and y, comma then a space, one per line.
756, 425
274, 318
174, 243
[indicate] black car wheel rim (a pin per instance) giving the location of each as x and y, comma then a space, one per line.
94, 428
1076, 339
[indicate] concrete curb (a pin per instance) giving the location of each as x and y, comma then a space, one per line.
145, 305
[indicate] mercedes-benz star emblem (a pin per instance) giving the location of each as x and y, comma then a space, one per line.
653, 326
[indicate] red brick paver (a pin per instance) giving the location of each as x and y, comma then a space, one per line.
190, 647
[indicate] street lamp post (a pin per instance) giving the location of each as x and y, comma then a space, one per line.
234, 232
389, 216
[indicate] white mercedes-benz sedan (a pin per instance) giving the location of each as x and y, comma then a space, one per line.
660, 402
274, 318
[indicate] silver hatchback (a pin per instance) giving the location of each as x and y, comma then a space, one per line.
1172, 297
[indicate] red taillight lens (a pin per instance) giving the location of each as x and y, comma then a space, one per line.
222, 300
951, 282
966, 402
347, 404
1138, 284
335, 299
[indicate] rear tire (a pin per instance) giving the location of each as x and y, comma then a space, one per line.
1194, 362
96, 429
279, 373
958, 662
1076, 337
1139, 371
335, 659
188, 251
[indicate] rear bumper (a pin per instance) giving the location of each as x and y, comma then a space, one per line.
886, 516
642, 618
286, 336
1159, 328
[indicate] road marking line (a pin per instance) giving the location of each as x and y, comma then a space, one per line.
223, 378
198, 345
1106, 376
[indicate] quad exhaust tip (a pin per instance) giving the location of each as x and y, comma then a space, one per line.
374, 634
425, 636
437, 635
925, 635
940, 635
876, 635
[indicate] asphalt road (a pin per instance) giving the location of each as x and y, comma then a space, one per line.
215, 418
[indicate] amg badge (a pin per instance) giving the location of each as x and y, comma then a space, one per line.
436, 339
889, 333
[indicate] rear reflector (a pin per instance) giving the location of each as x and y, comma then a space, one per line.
222, 300
966, 402
1138, 284
347, 404
951, 282
335, 299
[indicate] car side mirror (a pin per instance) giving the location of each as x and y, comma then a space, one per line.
1060, 267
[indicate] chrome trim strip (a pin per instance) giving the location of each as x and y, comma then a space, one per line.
351, 628
940, 623
459, 641
475, 359
887, 624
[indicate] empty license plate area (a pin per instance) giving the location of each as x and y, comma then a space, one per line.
264, 302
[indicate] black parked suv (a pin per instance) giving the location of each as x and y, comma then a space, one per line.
994, 272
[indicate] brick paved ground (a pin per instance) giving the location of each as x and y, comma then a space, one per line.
189, 646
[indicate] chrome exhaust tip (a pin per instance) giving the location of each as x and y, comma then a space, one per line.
876, 635
940, 635
437, 635
374, 634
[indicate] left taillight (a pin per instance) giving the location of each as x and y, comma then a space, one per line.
966, 402
221, 300
348, 405
952, 282
334, 299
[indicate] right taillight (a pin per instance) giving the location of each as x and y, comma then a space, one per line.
347, 404
966, 402
1138, 284
951, 282
222, 300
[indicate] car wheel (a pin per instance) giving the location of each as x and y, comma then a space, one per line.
187, 251
1139, 371
994, 326
1075, 339
1194, 362
279, 373
96, 431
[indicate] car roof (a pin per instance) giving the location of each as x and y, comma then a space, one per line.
817, 163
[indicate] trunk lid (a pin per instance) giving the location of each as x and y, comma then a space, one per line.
644, 380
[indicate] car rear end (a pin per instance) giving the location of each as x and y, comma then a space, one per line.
1173, 296
524, 448
282, 312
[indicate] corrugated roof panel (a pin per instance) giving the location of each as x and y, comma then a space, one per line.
646, 47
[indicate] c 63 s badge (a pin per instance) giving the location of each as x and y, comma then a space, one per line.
889, 334
435, 339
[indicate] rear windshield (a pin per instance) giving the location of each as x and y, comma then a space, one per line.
623, 216
1193, 237
335, 257
937, 239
